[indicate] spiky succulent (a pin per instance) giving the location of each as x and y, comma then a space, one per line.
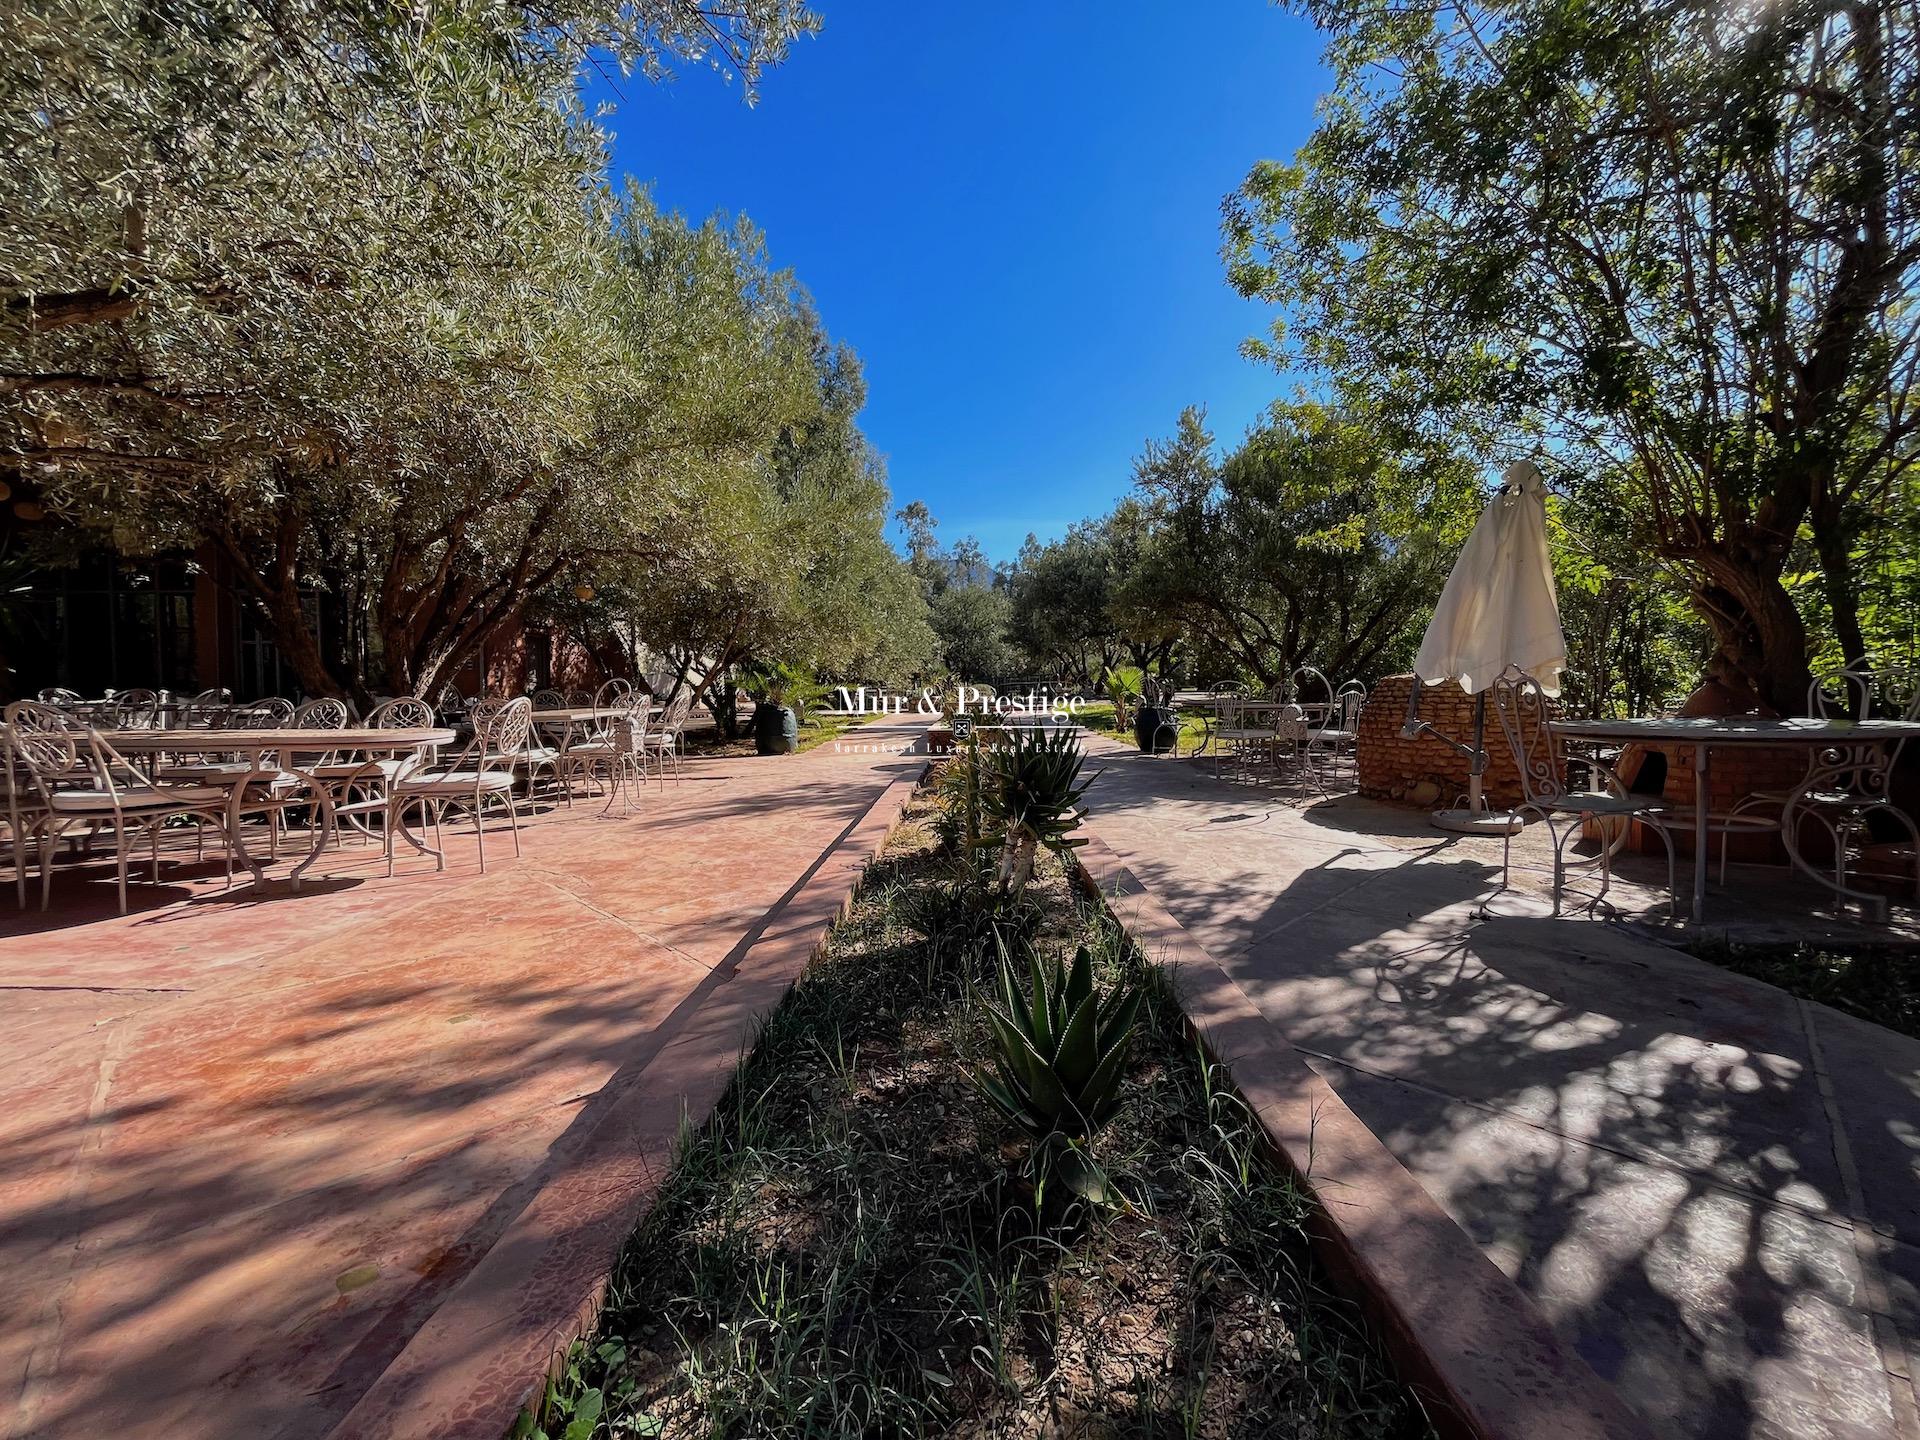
1030, 791
1059, 1047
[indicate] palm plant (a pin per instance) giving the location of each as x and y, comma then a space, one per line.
1030, 796
1122, 684
792, 687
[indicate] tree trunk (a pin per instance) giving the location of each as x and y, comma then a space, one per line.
1835, 547
1761, 644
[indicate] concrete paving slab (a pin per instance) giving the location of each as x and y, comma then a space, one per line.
1710, 1198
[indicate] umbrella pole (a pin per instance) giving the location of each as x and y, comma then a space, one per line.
1474, 818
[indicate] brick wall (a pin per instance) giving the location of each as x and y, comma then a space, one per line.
1424, 772
1736, 772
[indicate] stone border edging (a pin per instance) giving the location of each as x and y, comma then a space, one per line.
486, 1349
1479, 1353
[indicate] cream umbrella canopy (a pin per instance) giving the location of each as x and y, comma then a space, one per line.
1497, 612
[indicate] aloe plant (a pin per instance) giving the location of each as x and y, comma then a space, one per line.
1030, 796
1059, 1047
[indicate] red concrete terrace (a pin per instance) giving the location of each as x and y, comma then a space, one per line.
254, 1142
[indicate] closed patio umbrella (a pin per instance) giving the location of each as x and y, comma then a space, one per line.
1497, 612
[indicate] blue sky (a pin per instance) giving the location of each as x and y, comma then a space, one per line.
1012, 213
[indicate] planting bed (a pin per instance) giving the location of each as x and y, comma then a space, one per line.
850, 1246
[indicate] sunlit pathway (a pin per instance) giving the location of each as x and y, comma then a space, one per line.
1711, 1189
248, 1143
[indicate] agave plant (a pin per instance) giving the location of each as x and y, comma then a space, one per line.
1030, 795
1059, 1047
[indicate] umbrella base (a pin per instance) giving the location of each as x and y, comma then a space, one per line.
1478, 822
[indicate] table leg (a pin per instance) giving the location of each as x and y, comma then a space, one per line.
1701, 789
321, 821
236, 811
321, 824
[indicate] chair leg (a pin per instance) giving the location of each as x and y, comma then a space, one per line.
513, 819
1560, 865
120, 848
1673, 876
480, 832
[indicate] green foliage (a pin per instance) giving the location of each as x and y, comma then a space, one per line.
780, 683
1060, 1048
1123, 685
1030, 791
971, 624
1677, 250
345, 295
1315, 542
1875, 982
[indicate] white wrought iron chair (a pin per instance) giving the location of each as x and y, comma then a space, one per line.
631, 748
479, 775
207, 708
1521, 706
592, 748
79, 778
1318, 749
664, 738
136, 710
1848, 783
363, 788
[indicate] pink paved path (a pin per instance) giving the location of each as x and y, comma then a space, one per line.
251, 1141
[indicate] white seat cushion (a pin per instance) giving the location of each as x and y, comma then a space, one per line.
457, 782
343, 769
167, 797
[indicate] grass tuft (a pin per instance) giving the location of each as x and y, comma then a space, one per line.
846, 1248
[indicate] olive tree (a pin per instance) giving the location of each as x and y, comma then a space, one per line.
1673, 245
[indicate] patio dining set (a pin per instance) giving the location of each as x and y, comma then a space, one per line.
129, 765
1302, 732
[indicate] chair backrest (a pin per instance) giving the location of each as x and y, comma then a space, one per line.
1310, 687
482, 708
1521, 706
268, 713
403, 712
56, 695
136, 710
1351, 699
1840, 695
450, 701
209, 707
326, 713
679, 710
46, 742
1899, 687
610, 695
550, 700
629, 727
503, 734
